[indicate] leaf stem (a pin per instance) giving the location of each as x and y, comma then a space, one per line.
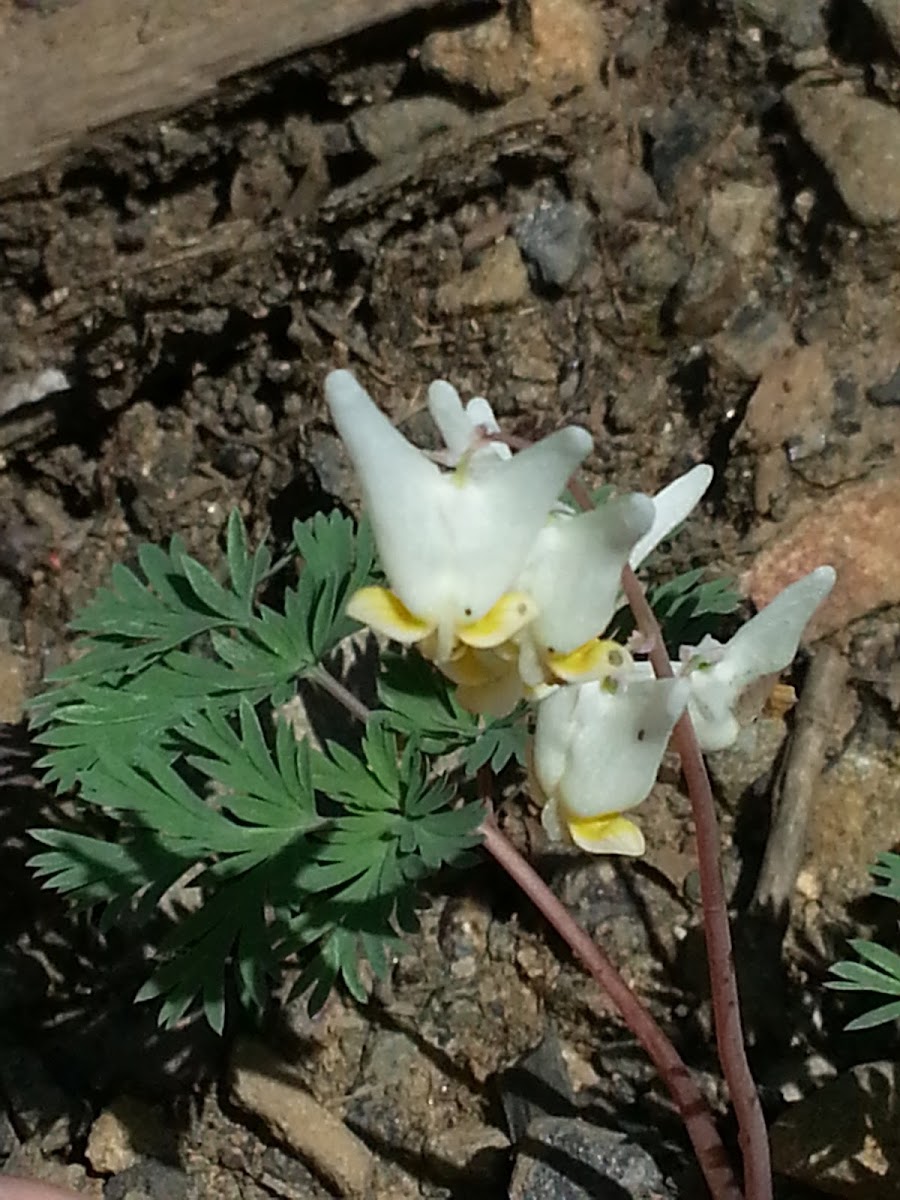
753, 1135
686, 1096
336, 689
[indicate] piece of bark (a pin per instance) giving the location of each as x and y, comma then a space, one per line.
71, 72
813, 728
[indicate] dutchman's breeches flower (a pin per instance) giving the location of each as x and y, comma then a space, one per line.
452, 543
597, 750
719, 675
598, 746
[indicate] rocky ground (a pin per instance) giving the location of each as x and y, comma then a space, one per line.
678, 225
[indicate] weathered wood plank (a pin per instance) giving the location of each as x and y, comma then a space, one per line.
72, 72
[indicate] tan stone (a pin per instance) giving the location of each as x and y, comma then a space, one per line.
858, 140
12, 686
569, 44
499, 281
794, 398
856, 530
563, 47
125, 1132
266, 1087
740, 217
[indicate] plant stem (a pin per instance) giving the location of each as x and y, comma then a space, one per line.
686, 1096
753, 1135
336, 689
692, 1107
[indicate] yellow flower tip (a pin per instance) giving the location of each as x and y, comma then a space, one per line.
608, 834
509, 616
593, 660
386, 613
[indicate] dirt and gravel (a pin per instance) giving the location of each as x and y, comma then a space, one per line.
675, 224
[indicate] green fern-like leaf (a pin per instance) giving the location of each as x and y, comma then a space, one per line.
886, 869
177, 642
879, 972
166, 725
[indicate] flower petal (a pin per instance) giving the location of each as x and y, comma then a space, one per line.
575, 569
610, 746
482, 416
672, 505
472, 668
497, 515
508, 616
402, 492
447, 412
612, 834
769, 641
382, 611
596, 659
554, 727
452, 544
765, 645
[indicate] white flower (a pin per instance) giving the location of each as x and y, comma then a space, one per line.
574, 574
596, 753
718, 675
451, 543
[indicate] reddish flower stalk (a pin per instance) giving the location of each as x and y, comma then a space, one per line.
686, 1096
754, 1138
752, 1132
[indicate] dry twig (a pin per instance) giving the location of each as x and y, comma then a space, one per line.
800, 771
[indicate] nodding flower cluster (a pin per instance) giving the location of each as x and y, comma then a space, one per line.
508, 592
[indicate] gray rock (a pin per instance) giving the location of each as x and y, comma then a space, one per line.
887, 393
887, 13
749, 762
384, 130
753, 338
798, 23
680, 134
539, 1086
709, 293
150, 1180
653, 264
858, 142
556, 240
569, 1159
644, 36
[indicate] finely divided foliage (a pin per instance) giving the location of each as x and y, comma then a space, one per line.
879, 970
169, 725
